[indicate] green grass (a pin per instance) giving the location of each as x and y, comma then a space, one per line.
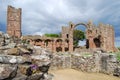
118, 56
87, 55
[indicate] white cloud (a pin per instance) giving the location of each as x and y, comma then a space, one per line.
38, 33
117, 41
82, 43
47, 16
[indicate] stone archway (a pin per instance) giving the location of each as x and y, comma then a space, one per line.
38, 42
90, 34
48, 43
67, 33
86, 27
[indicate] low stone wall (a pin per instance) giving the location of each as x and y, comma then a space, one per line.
83, 63
108, 63
61, 61
97, 62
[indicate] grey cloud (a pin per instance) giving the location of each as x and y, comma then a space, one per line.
41, 16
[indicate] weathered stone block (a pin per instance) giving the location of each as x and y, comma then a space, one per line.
13, 59
13, 51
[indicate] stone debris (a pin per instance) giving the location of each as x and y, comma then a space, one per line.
23, 50
12, 59
27, 57
8, 72
13, 51
117, 72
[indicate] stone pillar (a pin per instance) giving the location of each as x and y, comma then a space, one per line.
71, 29
43, 44
32, 42
48, 46
63, 46
71, 46
52, 49
51, 45
54, 46
91, 43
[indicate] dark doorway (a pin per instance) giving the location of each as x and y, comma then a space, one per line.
58, 49
97, 42
87, 43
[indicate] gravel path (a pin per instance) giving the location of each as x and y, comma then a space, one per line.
71, 74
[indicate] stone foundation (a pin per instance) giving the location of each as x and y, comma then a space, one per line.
97, 62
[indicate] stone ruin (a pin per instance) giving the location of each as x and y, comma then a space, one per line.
31, 59
101, 36
97, 37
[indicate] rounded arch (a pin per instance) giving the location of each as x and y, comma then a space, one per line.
81, 24
38, 40
59, 40
80, 43
47, 41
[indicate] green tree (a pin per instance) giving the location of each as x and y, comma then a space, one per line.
119, 48
78, 35
52, 35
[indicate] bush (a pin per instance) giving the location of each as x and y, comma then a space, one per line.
52, 35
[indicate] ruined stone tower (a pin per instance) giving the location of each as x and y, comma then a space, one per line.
14, 21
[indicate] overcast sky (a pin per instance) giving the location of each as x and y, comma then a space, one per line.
47, 16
